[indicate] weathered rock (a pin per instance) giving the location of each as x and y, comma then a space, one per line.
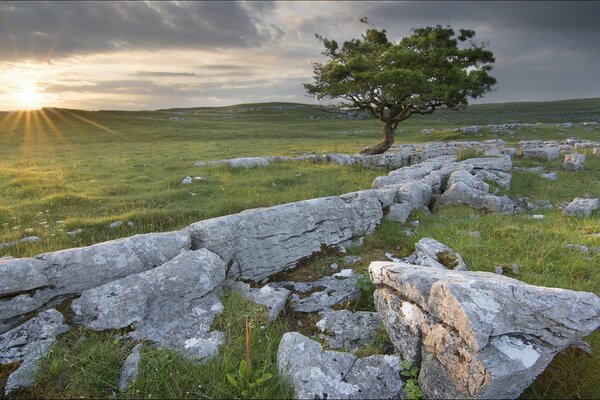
115, 224
468, 179
351, 259
317, 373
187, 180
348, 330
339, 159
28, 343
538, 149
460, 193
503, 163
265, 241
241, 162
580, 207
500, 178
551, 176
172, 305
272, 298
428, 248
324, 293
477, 334
574, 162
130, 368
31, 283
578, 247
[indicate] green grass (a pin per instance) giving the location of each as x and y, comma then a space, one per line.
74, 169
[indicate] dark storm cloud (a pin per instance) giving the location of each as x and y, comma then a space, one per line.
43, 30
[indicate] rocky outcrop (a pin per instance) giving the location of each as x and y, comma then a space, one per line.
320, 374
580, 207
31, 283
261, 242
28, 344
544, 150
172, 305
348, 330
574, 162
478, 334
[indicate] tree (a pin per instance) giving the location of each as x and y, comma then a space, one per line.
424, 72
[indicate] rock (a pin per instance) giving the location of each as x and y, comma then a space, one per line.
580, 207
129, 370
503, 163
468, 179
538, 216
428, 248
187, 180
172, 305
351, 259
28, 344
242, 162
539, 168
75, 232
324, 293
478, 334
130, 224
541, 151
427, 131
348, 330
339, 159
199, 178
334, 266
399, 212
500, 178
460, 193
30, 239
273, 299
574, 162
267, 240
30, 283
320, 374
115, 224
577, 247
551, 176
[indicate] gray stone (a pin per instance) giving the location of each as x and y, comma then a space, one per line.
318, 374
115, 224
187, 180
265, 241
324, 293
334, 266
478, 334
172, 305
540, 150
30, 283
427, 248
500, 178
399, 212
460, 193
273, 299
29, 343
578, 247
348, 330
130, 368
574, 162
75, 232
580, 207
551, 176
468, 179
241, 162
30, 239
339, 159
503, 163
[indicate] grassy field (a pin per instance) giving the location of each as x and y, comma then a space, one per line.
62, 170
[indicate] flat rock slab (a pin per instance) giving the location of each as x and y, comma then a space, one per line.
431, 253
478, 334
172, 305
262, 242
319, 374
29, 343
323, 293
580, 207
348, 330
30, 283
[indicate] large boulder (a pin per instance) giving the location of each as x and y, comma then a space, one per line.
461, 193
172, 305
580, 207
478, 334
261, 242
30, 283
468, 179
320, 374
28, 344
574, 162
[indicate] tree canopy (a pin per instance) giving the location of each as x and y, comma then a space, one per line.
421, 73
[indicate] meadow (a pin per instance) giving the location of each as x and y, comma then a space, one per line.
68, 170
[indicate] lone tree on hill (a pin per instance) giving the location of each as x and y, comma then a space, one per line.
424, 72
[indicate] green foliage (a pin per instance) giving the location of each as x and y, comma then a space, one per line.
411, 387
425, 71
245, 383
468, 152
365, 302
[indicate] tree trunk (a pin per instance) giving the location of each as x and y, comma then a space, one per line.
386, 142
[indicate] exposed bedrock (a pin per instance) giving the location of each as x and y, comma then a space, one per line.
478, 334
172, 305
28, 284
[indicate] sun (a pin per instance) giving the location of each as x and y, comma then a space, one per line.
29, 98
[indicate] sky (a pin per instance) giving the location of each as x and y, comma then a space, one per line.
151, 55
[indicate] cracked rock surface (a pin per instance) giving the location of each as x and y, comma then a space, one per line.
317, 373
478, 334
348, 330
28, 343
